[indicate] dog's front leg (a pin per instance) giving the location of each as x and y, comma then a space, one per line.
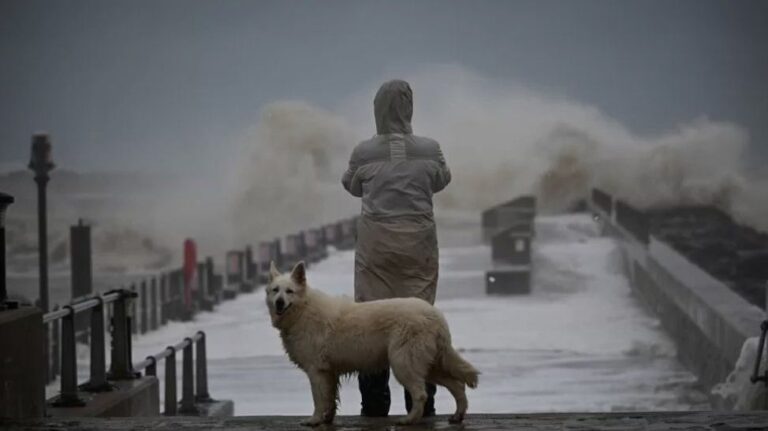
324, 397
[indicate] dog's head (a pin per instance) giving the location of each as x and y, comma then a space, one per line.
285, 292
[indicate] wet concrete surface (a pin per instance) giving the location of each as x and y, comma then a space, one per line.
720, 421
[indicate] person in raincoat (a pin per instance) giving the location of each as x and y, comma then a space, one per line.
395, 173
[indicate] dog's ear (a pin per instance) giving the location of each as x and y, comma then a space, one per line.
273, 272
299, 274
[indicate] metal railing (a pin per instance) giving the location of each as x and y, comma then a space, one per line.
194, 374
150, 303
120, 367
190, 381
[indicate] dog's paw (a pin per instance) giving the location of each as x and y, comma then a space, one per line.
312, 422
456, 418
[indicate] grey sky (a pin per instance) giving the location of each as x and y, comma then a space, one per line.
161, 84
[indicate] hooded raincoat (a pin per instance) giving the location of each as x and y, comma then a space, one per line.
396, 173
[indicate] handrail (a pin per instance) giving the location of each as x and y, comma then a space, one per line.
200, 374
82, 305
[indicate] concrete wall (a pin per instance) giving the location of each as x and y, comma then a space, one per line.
138, 397
22, 375
707, 320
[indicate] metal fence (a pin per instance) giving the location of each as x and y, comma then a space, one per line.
147, 304
121, 367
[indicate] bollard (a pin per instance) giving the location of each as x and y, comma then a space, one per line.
170, 383
153, 304
68, 396
98, 380
187, 380
121, 367
201, 371
81, 270
143, 297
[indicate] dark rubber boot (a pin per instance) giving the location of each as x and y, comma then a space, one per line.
374, 389
429, 405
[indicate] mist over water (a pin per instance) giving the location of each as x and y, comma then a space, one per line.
500, 140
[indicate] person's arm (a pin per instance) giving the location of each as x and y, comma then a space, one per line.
350, 180
442, 175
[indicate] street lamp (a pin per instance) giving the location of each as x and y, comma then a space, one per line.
5, 200
40, 163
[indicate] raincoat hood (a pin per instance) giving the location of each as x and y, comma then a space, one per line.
393, 108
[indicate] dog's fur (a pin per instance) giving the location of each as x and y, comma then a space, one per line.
328, 337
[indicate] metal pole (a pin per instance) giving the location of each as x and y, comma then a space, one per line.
187, 381
133, 313
202, 298
3, 289
170, 383
42, 240
152, 367
98, 381
68, 397
211, 283
201, 368
143, 297
121, 367
164, 299
5, 200
153, 304
52, 361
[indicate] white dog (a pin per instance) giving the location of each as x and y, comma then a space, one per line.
330, 336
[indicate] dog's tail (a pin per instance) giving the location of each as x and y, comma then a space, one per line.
458, 368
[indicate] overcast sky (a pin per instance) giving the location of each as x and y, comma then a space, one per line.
158, 85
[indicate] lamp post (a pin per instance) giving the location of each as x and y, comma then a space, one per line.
5, 200
40, 163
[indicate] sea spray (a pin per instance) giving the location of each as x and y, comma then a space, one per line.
500, 140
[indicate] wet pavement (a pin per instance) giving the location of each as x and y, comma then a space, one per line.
720, 421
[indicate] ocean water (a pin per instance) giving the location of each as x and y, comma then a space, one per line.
580, 342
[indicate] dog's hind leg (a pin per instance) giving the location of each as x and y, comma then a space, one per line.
324, 396
413, 381
458, 391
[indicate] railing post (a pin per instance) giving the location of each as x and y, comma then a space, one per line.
98, 381
121, 367
68, 396
133, 313
152, 367
201, 374
210, 279
153, 304
187, 381
202, 287
170, 383
163, 298
143, 299
53, 337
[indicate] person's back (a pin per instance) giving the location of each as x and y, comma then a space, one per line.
395, 173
